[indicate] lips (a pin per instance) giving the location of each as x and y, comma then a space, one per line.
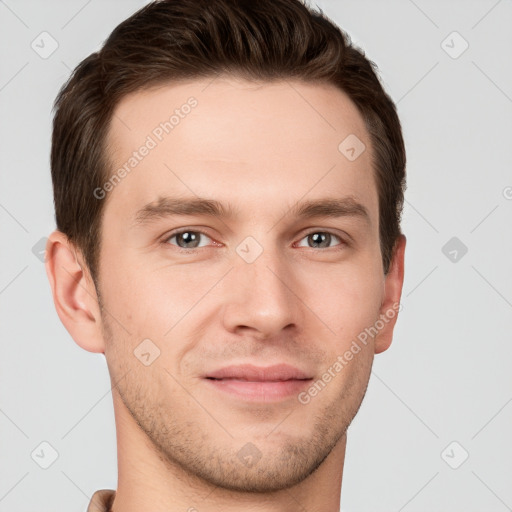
261, 384
251, 373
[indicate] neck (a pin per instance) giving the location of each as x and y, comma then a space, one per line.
146, 478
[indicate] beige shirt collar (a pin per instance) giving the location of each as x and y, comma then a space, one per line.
102, 501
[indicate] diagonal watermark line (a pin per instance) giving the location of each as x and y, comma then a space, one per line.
13, 279
14, 423
209, 494
506, 505
405, 404
296, 501
310, 105
199, 403
14, 218
492, 81
177, 177
273, 430
418, 82
14, 76
302, 197
76, 14
122, 122
301, 300
210, 82
109, 391
200, 299
183, 183
3, 3
422, 216
486, 14
495, 289
407, 295
14, 485
102, 307
491, 419
88, 497
424, 14
403, 506
484, 218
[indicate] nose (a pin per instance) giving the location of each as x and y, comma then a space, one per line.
260, 298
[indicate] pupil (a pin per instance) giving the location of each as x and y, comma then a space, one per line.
189, 238
318, 238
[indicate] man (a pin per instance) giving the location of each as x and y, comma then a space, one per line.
228, 179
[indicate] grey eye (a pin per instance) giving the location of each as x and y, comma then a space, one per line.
320, 239
187, 239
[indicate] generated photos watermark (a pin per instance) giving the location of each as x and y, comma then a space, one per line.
334, 369
156, 136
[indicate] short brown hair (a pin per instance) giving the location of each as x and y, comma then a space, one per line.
172, 40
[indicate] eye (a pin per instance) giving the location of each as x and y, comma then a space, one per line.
187, 239
321, 239
191, 239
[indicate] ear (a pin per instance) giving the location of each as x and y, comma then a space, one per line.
391, 301
74, 293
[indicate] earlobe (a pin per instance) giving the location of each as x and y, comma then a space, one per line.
391, 301
74, 293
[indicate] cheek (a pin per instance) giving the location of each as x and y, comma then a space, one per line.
346, 298
160, 303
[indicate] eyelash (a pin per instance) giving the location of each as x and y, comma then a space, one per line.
195, 249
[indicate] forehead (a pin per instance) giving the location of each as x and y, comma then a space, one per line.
265, 144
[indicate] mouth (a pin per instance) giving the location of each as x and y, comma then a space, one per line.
260, 391
259, 384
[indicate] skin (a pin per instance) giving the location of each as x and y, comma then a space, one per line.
261, 148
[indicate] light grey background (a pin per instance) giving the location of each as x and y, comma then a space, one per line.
447, 375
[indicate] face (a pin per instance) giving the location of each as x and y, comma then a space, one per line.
242, 235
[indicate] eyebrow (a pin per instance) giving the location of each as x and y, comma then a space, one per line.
328, 207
